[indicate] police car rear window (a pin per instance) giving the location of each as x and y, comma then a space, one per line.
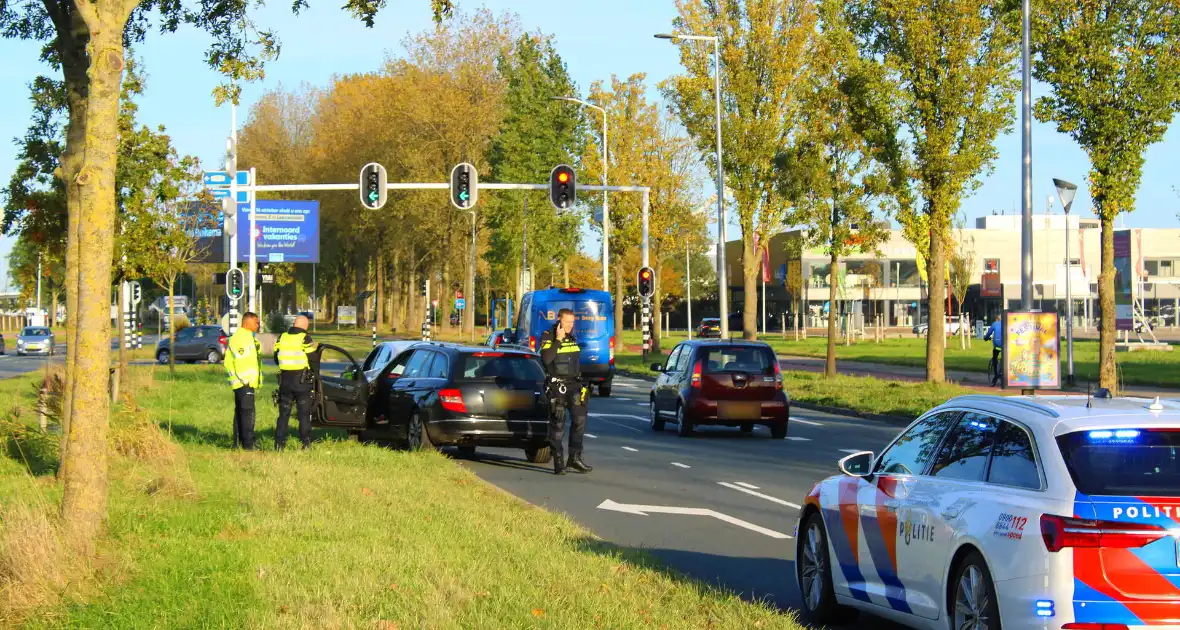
1123, 462
497, 365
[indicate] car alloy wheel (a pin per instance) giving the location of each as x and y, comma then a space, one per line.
213, 357
416, 436
974, 603
812, 567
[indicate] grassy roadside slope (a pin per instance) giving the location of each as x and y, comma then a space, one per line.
343, 536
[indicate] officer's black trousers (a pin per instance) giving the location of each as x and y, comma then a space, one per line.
244, 417
302, 399
575, 401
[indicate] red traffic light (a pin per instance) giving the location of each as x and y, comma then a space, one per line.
563, 177
646, 274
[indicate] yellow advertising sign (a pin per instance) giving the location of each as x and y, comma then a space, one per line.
1032, 351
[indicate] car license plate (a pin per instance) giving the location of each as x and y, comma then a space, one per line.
33, 346
510, 401
728, 410
715, 328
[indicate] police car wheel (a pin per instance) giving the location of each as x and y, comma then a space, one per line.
539, 455
973, 605
657, 423
814, 573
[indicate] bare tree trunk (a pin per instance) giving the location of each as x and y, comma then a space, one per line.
565, 270
171, 328
84, 501
936, 303
830, 360
1107, 335
751, 265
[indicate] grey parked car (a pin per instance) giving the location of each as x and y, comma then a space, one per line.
195, 343
36, 340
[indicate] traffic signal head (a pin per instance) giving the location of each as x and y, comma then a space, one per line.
136, 293
646, 282
562, 186
229, 214
464, 186
372, 185
231, 157
235, 279
422, 287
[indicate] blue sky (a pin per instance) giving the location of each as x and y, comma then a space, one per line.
596, 39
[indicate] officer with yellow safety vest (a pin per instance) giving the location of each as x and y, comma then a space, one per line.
296, 381
561, 357
243, 367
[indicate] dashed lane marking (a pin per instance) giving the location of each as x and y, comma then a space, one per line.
621, 415
747, 485
679, 465
591, 435
628, 448
812, 423
798, 439
759, 495
617, 424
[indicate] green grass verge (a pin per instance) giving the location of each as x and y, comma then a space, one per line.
342, 536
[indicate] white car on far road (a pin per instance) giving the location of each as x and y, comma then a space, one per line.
1046, 512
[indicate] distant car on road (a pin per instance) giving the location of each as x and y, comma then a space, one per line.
1046, 512
709, 328
437, 394
36, 340
728, 383
195, 343
951, 328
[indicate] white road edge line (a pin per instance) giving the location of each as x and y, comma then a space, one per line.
747, 485
628, 448
621, 415
802, 421
643, 510
591, 435
760, 495
850, 451
794, 438
679, 465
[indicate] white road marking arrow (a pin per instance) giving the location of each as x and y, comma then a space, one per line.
644, 510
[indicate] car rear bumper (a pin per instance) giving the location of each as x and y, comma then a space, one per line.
598, 372
702, 410
489, 432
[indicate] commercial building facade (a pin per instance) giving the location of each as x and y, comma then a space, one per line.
887, 282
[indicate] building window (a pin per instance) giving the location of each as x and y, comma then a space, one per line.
1151, 267
1166, 268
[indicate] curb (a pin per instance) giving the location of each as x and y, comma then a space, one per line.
841, 411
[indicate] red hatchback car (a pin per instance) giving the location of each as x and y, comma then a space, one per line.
728, 383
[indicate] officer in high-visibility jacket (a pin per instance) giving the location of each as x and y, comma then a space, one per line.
561, 356
243, 367
296, 381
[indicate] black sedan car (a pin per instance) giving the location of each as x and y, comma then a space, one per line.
723, 382
438, 394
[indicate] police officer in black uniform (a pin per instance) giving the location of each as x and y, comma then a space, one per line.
562, 359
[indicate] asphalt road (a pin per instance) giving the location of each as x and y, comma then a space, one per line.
12, 365
753, 485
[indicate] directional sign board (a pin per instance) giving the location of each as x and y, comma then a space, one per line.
460, 303
222, 178
220, 193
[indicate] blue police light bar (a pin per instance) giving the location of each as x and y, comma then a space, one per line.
1114, 435
1044, 608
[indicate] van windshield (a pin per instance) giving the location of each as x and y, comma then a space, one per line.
1124, 462
589, 315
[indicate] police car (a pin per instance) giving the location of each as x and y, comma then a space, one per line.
1014, 512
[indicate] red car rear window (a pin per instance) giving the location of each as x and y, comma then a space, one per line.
745, 359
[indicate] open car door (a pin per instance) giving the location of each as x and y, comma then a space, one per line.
341, 393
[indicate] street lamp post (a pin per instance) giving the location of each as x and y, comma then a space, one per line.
605, 210
722, 275
1066, 192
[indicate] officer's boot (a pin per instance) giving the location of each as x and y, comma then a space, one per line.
576, 464
558, 465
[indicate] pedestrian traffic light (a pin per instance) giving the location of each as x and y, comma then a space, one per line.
373, 182
646, 282
562, 186
464, 186
136, 293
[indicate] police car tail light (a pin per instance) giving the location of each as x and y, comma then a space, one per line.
696, 375
452, 400
1060, 532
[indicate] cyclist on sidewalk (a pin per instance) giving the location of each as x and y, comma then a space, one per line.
995, 332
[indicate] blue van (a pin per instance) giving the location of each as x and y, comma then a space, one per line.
594, 328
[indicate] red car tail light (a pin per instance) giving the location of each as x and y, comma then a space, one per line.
1060, 532
452, 400
778, 376
533, 344
696, 375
